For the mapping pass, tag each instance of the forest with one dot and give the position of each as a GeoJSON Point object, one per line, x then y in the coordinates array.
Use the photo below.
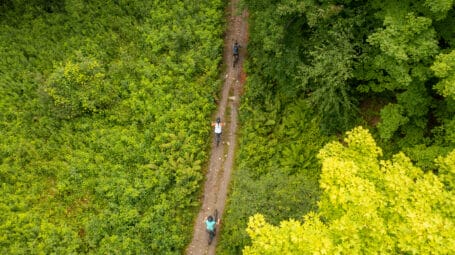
{"type": "Point", "coordinates": [346, 146]}
{"type": "Point", "coordinates": [105, 111]}
{"type": "Point", "coordinates": [347, 140]}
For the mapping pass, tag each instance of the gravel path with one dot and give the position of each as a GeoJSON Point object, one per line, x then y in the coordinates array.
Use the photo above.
{"type": "Point", "coordinates": [222, 157]}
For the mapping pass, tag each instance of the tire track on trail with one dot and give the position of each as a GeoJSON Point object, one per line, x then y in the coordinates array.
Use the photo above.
{"type": "Point", "coordinates": [222, 158]}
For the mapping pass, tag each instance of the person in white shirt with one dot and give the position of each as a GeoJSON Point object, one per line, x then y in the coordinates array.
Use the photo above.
{"type": "Point", "coordinates": [218, 130]}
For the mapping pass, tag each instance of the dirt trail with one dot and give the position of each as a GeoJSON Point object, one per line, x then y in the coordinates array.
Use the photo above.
{"type": "Point", "coordinates": [222, 157]}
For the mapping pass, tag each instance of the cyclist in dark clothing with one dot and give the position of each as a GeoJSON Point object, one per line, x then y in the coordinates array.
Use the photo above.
{"type": "Point", "coordinates": [235, 49]}
{"type": "Point", "coordinates": [235, 52]}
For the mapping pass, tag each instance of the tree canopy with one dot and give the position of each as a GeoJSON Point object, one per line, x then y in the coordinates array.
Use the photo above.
{"type": "Point", "coordinates": [368, 205]}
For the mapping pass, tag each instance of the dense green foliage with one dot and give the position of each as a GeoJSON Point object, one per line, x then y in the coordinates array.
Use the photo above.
{"type": "Point", "coordinates": [387, 65]}
{"type": "Point", "coordinates": [337, 54]}
{"type": "Point", "coordinates": [368, 206]}
{"type": "Point", "coordinates": [104, 119]}
{"type": "Point", "coordinates": [104, 108]}
{"type": "Point", "coordinates": [276, 171]}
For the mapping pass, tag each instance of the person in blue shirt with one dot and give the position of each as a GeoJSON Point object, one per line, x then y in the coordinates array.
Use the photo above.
{"type": "Point", "coordinates": [210, 225]}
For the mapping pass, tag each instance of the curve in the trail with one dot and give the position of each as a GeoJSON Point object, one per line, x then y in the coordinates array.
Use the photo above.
{"type": "Point", "coordinates": [222, 157]}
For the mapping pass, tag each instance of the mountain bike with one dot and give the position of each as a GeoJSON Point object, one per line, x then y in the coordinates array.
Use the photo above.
{"type": "Point", "coordinates": [217, 138]}
{"type": "Point", "coordinates": [236, 60]}
{"type": "Point", "coordinates": [213, 233]}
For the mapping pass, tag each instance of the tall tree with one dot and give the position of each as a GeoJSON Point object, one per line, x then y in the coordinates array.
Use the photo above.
{"type": "Point", "coordinates": [306, 51]}
{"type": "Point", "coordinates": [368, 206]}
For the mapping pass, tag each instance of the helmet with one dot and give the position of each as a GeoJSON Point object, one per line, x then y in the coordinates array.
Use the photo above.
{"type": "Point", "coordinates": [218, 120]}
{"type": "Point", "coordinates": [210, 218]}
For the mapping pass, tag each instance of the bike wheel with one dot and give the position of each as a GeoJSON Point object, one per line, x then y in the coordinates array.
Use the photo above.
{"type": "Point", "coordinates": [218, 139]}
{"type": "Point", "coordinates": [236, 59]}
{"type": "Point", "coordinates": [211, 236]}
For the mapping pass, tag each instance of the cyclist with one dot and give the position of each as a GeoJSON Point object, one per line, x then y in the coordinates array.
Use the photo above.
{"type": "Point", "coordinates": [210, 225]}
{"type": "Point", "coordinates": [235, 49]}
{"type": "Point", "coordinates": [218, 129]}
{"type": "Point", "coordinates": [235, 52]}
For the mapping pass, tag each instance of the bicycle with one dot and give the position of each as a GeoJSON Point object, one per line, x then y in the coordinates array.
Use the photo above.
{"type": "Point", "coordinates": [213, 233]}
{"type": "Point", "coordinates": [218, 139]}
{"type": "Point", "coordinates": [235, 52]}
{"type": "Point", "coordinates": [236, 60]}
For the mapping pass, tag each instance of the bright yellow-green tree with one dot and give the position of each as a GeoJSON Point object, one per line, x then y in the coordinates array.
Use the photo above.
{"type": "Point", "coordinates": [368, 206]}
{"type": "Point", "coordinates": [444, 68]}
